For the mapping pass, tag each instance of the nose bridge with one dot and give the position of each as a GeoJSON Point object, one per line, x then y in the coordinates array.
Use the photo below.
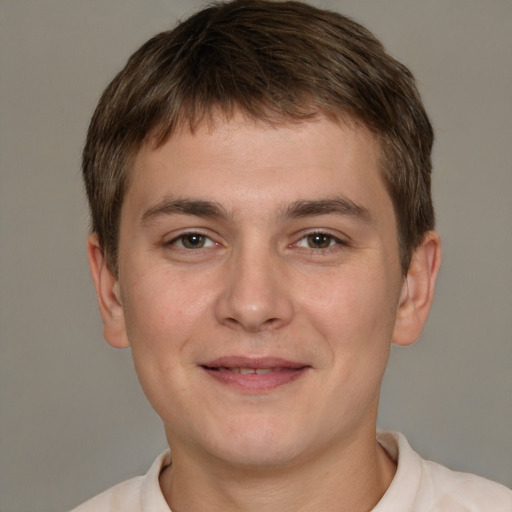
{"type": "Point", "coordinates": [254, 294]}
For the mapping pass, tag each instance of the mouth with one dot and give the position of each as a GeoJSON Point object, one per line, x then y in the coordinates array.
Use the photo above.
{"type": "Point", "coordinates": [247, 371]}
{"type": "Point", "coordinates": [254, 375]}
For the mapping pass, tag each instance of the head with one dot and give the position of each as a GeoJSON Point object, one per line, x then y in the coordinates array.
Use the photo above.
{"type": "Point", "coordinates": [274, 62]}
{"type": "Point", "coordinates": [259, 180]}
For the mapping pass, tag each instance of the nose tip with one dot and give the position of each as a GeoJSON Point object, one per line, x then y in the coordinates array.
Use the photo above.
{"type": "Point", "coordinates": [254, 297]}
{"type": "Point", "coordinates": [252, 319]}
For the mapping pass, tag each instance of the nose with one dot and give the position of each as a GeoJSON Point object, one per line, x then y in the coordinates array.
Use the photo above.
{"type": "Point", "coordinates": [254, 293]}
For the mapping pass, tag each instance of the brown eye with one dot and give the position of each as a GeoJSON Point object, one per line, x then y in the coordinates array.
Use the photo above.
{"type": "Point", "coordinates": [319, 241]}
{"type": "Point", "coordinates": [193, 241]}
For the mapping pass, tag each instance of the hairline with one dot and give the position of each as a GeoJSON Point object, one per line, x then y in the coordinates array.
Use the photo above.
{"type": "Point", "coordinates": [157, 137]}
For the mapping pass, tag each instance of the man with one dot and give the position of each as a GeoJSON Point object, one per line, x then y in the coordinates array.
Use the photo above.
{"type": "Point", "coordinates": [263, 230]}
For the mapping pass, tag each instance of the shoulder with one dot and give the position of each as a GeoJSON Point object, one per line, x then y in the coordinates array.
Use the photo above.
{"type": "Point", "coordinates": [425, 486]}
{"type": "Point", "coordinates": [139, 494]}
{"type": "Point", "coordinates": [464, 492]}
{"type": "Point", "coordinates": [122, 497]}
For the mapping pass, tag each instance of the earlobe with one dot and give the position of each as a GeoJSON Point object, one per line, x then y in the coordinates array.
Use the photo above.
{"type": "Point", "coordinates": [418, 290]}
{"type": "Point", "coordinates": [108, 295]}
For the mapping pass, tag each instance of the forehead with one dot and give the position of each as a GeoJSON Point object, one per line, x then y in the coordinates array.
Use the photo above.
{"type": "Point", "coordinates": [241, 162]}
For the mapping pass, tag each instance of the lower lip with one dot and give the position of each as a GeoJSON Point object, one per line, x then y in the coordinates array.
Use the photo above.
{"type": "Point", "coordinates": [257, 382]}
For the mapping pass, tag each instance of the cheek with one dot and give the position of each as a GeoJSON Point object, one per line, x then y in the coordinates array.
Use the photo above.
{"type": "Point", "coordinates": [355, 317]}
{"type": "Point", "coordinates": [161, 322]}
{"type": "Point", "coordinates": [162, 307]}
{"type": "Point", "coordinates": [352, 309]}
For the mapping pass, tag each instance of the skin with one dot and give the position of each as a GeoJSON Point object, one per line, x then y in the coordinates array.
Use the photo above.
{"type": "Point", "coordinates": [317, 285]}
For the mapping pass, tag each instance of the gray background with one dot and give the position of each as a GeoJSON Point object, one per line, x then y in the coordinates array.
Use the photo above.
{"type": "Point", "coordinates": [73, 420]}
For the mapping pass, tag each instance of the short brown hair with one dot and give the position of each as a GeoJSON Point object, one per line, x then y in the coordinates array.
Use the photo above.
{"type": "Point", "coordinates": [275, 62]}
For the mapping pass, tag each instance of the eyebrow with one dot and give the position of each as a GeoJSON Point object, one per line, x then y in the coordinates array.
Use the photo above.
{"type": "Point", "coordinates": [199, 208]}
{"type": "Point", "coordinates": [302, 208]}
{"type": "Point", "coordinates": [338, 205]}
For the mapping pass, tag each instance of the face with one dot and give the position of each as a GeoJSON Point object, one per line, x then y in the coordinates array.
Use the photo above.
{"type": "Point", "coordinates": [259, 280]}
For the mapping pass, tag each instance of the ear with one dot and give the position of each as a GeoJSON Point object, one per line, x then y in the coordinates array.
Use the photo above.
{"type": "Point", "coordinates": [108, 295]}
{"type": "Point", "coordinates": [418, 290]}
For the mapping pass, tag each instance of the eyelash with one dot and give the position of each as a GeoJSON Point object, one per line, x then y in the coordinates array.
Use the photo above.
{"type": "Point", "coordinates": [178, 241]}
{"type": "Point", "coordinates": [333, 242]}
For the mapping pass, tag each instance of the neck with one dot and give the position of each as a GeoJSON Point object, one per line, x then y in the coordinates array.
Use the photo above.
{"type": "Point", "coordinates": [341, 480]}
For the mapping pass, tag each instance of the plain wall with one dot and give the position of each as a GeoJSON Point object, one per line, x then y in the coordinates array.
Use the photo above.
{"type": "Point", "coordinates": [72, 418]}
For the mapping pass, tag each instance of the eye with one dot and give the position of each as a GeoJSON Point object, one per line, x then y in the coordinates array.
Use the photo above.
{"type": "Point", "coordinates": [192, 241]}
{"type": "Point", "coordinates": [318, 241]}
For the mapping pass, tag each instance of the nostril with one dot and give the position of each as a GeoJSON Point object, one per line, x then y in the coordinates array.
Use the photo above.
{"type": "Point", "coordinates": [253, 325]}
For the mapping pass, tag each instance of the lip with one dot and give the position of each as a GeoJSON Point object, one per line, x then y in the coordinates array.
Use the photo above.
{"type": "Point", "coordinates": [281, 371]}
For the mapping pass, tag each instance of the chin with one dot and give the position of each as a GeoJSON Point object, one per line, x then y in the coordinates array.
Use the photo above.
{"type": "Point", "coordinates": [262, 444]}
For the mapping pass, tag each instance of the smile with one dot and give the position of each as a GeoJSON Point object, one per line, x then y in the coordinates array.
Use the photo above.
{"type": "Point", "coordinates": [254, 375]}
{"type": "Point", "coordinates": [246, 371]}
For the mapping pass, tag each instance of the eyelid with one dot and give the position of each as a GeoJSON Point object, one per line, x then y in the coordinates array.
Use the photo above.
{"type": "Point", "coordinates": [175, 237]}
{"type": "Point", "coordinates": [339, 238]}
{"type": "Point", "coordinates": [323, 231]}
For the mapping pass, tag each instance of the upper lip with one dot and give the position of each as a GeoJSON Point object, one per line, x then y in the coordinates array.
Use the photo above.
{"type": "Point", "coordinates": [252, 362]}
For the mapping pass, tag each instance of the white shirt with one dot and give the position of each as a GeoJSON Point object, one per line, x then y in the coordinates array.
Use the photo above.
{"type": "Point", "coordinates": [418, 486]}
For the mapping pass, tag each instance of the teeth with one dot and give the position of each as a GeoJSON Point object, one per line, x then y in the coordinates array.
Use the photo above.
{"type": "Point", "coordinates": [245, 371]}
{"type": "Point", "coordinates": [260, 371]}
